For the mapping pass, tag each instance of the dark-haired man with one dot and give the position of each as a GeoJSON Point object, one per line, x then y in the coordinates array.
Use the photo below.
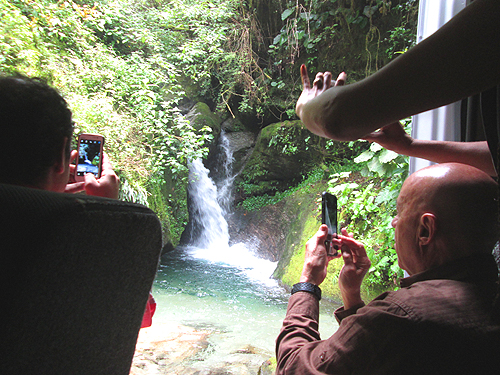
{"type": "Point", "coordinates": [35, 146]}
{"type": "Point", "coordinates": [445, 319]}
{"type": "Point", "coordinates": [35, 142]}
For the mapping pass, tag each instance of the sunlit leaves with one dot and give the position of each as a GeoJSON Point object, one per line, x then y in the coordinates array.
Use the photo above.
{"type": "Point", "coordinates": [287, 13]}
{"type": "Point", "coordinates": [368, 204]}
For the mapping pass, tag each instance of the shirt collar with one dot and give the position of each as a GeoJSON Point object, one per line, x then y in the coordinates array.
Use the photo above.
{"type": "Point", "coordinates": [473, 268]}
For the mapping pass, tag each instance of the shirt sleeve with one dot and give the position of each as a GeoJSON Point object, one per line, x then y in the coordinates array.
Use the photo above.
{"type": "Point", "coordinates": [342, 313]}
{"type": "Point", "coordinates": [360, 343]}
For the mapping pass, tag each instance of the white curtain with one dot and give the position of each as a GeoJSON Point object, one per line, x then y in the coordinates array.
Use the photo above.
{"type": "Point", "coordinates": [442, 124]}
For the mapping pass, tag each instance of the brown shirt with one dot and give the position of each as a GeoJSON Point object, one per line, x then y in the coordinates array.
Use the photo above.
{"type": "Point", "coordinates": [441, 322]}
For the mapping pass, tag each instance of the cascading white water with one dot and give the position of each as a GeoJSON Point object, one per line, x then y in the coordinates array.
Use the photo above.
{"type": "Point", "coordinates": [225, 186]}
{"type": "Point", "coordinates": [210, 206]}
{"type": "Point", "coordinates": [207, 214]}
{"type": "Point", "coordinates": [221, 289]}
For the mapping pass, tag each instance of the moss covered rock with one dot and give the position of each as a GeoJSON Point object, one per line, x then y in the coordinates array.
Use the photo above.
{"type": "Point", "coordinates": [200, 116]}
{"type": "Point", "coordinates": [281, 231]}
{"type": "Point", "coordinates": [284, 152]}
{"type": "Point", "coordinates": [301, 229]}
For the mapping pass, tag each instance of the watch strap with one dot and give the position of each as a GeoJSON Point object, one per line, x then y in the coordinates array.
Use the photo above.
{"type": "Point", "coordinates": [307, 287]}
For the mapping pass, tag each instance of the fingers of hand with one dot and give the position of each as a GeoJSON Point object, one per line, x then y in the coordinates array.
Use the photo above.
{"type": "Point", "coordinates": [90, 180]}
{"type": "Point", "coordinates": [356, 251]}
{"type": "Point", "coordinates": [322, 81]}
{"type": "Point", "coordinates": [356, 247]}
{"type": "Point", "coordinates": [347, 255]}
{"type": "Point", "coordinates": [344, 232]}
{"type": "Point", "coordinates": [327, 77]}
{"type": "Point", "coordinates": [318, 239]}
{"type": "Point", "coordinates": [74, 187]}
{"type": "Point", "coordinates": [373, 136]}
{"type": "Point", "coordinates": [336, 241]}
{"type": "Point", "coordinates": [73, 155]}
{"type": "Point", "coordinates": [341, 79]}
{"type": "Point", "coordinates": [334, 256]}
{"type": "Point", "coordinates": [305, 77]}
{"type": "Point", "coordinates": [318, 81]}
{"type": "Point", "coordinates": [107, 168]}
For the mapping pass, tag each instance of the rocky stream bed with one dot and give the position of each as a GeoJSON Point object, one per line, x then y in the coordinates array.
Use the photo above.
{"type": "Point", "coordinates": [166, 349]}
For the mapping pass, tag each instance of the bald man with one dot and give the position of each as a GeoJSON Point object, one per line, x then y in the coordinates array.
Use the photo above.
{"type": "Point", "coordinates": [445, 319]}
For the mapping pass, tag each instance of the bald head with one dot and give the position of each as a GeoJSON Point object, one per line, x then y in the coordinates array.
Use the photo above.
{"type": "Point", "coordinates": [460, 202]}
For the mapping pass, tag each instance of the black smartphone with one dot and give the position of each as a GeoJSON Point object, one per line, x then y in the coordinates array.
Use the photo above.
{"type": "Point", "coordinates": [329, 217]}
{"type": "Point", "coordinates": [89, 159]}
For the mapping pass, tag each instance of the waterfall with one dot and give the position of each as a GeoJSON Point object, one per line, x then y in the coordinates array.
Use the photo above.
{"type": "Point", "coordinates": [225, 185]}
{"type": "Point", "coordinates": [208, 215]}
{"type": "Point", "coordinates": [210, 206]}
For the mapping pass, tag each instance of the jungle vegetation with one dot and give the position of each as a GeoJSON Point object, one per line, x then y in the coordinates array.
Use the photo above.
{"type": "Point", "coordinates": [127, 67]}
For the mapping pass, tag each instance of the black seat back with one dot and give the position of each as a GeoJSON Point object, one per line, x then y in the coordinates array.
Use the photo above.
{"type": "Point", "coordinates": [75, 276]}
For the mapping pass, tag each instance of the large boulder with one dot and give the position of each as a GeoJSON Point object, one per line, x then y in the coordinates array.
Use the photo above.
{"type": "Point", "coordinates": [273, 230]}
{"type": "Point", "coordinates": [284, 152]}
{"type": "Point", "coordinates": [200, 116]}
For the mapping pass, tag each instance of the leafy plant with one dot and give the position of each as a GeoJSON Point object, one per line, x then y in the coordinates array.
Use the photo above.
{"type": "Point", "coordinates": [125, 68]}
{"type": "Point", "coordinates": [117, 68]}
{"type": "Point", "coordinates": [367, 205]}
{"type": "Point", "coordinates": [256, 202]}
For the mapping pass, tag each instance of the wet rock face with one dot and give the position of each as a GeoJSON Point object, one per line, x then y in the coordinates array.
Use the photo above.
{"type": "Point", "coordinates": [266, 229]}
{"type": "Point", "coordinates": [284, 152]}
{"type": "Point", "coordinates": [242, 144]}
{"type": "Point", "coordinates": [273, 229]}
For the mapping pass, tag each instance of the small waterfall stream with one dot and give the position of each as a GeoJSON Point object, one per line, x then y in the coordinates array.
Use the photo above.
{"type": "Point", "coordinates": [211, 204]}
{"type": "Point", "coordinates": [222, 289]}
{"type": "Point", "coordinates": [207, 214]}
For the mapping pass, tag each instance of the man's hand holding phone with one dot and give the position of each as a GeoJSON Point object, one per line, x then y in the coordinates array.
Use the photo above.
{"type": "Point", "coordinates": [108, 185]}
{"type": "Point", "coordinates": [356, 265]}
{"type": "Point", "coordinates": [316, 258]}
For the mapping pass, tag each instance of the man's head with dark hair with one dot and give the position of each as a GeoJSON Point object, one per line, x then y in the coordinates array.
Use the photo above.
{"type": "Point", "coordinates": [36, 130]}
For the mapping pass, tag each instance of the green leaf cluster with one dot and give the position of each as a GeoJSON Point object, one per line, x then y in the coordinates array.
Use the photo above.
{"type": "Point", "coordinates": [256, 202]}
{"type": "Point", "coordinates": [121, 65]}
{"type": "Point", "coordinates": [367, 205]}
{"type": "Point", "coordinates": [334, 35]}
{"type": "Point", "coordinates": [125, 67]}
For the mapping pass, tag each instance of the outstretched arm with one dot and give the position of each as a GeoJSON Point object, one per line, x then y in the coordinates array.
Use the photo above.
{"type": "Point", "coordinates": [459, 60]}
{"type": "Point", "coordinates": [393, 137]}
{"type": "Point", "coordinates": [306, 105]}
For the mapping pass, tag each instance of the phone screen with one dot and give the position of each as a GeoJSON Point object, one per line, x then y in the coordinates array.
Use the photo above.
{"type": "Point", "coordinates": [329, 212]}
{"type": "Point", "coordinates": [89, 156]}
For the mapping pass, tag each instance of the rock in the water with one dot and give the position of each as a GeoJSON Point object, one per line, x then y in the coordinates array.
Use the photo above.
{"type": "Point", "coordinates": [162, 348]}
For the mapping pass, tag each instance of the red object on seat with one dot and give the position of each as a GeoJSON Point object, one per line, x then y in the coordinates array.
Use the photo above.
{"type": "Point", "coordinates": [147, 319]}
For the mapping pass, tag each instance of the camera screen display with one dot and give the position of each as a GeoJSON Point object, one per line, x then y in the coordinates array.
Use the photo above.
{"type": "Point", "coordinates": [89, 157]}
{"type": "Point", "coordinates": [330, 212]}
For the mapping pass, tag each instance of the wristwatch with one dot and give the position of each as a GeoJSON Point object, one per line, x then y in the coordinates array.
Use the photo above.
{"type": "Point", "coordinates": [307, 287]}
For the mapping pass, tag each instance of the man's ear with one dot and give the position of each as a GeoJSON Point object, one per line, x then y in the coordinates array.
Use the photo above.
{"type": "Point", "coordinates": [426, 228]}
{"type": "Point", "coordinates": [62, 158]}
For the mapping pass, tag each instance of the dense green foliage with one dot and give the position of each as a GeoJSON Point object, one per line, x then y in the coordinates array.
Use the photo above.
{"type": "Point", "coordinates": [358, 37]}
{"type": "Point", "coordinates": [126, 68]}
{"type": "Point", "coordinates": [355, 36]}
{"type": "Point", "coordinates": [121, 67]}
{"type": "Point", "coordinates": [367, 205]}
